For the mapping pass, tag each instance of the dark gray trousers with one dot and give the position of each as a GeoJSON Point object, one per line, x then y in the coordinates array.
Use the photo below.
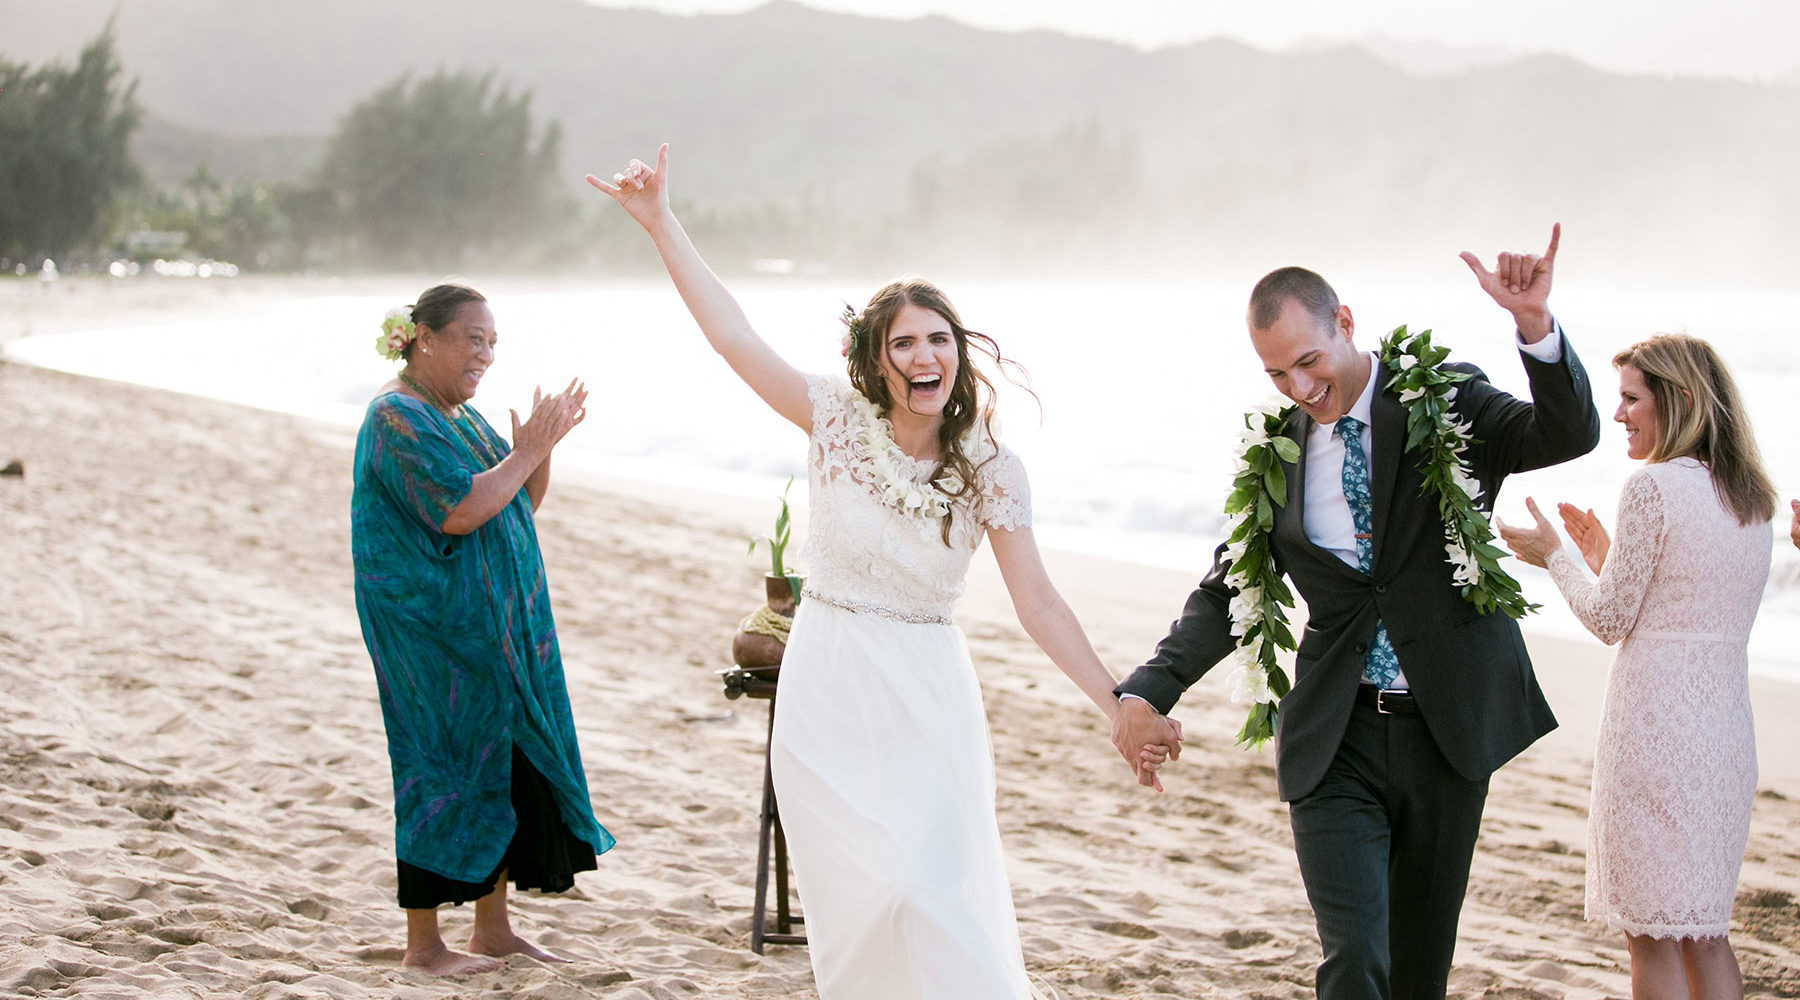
{"type": "Point", "coordinates": [1384, 843]}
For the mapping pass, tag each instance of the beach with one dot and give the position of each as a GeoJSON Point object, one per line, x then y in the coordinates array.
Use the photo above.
{"type": "Point", "coordinates": [195, 795]}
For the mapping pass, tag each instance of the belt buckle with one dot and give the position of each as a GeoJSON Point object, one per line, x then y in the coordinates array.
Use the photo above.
{"type": "Point", "coordinates": [1381, 702]}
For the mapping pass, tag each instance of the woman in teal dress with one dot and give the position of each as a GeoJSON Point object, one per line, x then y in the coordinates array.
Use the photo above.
{"type": "Point", "coordinates": [450, 589]}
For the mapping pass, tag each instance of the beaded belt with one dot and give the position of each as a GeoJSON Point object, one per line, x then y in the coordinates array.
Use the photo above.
{"type": "Point", "coordinates": [881, 610]}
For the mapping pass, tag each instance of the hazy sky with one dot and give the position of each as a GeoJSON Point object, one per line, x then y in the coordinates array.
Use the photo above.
{"type": "Point", "coordinates": [1754, 39]}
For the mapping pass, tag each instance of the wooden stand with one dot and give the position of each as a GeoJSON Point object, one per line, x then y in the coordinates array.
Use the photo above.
{"type": "Point", "coordinates": [760, 682]}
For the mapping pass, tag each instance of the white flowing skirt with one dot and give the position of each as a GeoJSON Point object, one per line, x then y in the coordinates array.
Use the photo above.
{"type": "Point", "coordinates": [884, 775]}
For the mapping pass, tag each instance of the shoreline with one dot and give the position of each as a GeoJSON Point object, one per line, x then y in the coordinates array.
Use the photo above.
{"type": "Point", "coordinates": [94, 303]}
{"type": "Point", "coordinates": [196, 794]}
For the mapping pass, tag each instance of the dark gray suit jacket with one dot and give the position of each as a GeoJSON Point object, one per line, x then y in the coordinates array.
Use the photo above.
{"type": "Point", "coordinates": [1469, 673]}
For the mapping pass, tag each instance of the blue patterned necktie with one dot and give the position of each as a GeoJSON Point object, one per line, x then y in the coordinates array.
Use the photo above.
{"type": "Point", "coordinates": [1380, 665]}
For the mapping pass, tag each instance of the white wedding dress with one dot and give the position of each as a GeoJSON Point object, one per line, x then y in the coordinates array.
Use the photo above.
{"type": "Point", "coordinates": [883, 769]}
{"type": "Point", "coordinates": [1675, 764]}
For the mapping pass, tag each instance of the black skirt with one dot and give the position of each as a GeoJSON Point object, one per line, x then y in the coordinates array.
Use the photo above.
{"type": "Point", "coordinates": [543, 854]}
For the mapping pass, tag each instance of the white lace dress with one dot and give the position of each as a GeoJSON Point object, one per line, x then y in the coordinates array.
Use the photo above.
{"type": "Point", "coordinates": [1675, 768]}
{"type": "Point", "coordinates": [883, 769]}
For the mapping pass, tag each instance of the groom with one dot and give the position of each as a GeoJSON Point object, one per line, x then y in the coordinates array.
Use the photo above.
{"type": "Point", "coordinates": [1405, 697]}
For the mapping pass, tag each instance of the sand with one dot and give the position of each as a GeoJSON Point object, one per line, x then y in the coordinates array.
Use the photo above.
{"type": "Point", "coordinates": [194, 793]}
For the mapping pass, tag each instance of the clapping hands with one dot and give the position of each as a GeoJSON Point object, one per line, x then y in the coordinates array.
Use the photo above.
{"type": "Point", "coordinates": [551, 418]}
{"type": "Point", "coordinates": [1588, 534]}
{"type": "Point", "coordinates": [1534, 545]}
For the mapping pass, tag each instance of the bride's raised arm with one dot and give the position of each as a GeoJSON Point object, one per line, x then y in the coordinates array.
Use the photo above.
{"type": "Point", "coordinates": [643, 192]}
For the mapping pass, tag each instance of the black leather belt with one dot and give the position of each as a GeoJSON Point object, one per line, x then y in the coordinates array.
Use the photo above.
{"type": "Point", "coordinates": [1386, 702]}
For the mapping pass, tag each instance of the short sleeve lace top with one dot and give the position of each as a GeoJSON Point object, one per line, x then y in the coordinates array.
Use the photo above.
{"type": "Point", "coordinates": [871, 538]}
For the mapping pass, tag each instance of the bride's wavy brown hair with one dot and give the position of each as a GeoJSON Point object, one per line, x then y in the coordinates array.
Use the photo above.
{"type": "Point", "coordinates": [971, 396]}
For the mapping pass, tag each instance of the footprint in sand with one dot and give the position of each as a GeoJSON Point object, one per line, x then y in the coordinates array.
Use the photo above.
{"type": "Point", "coordinates": [1125, 928]}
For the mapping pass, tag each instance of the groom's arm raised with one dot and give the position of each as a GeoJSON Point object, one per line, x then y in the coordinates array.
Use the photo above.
{"type": "Point", "coordinates": [1560, 422]}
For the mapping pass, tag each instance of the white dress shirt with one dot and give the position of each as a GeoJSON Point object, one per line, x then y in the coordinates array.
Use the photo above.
{"type": "Point", "coordinates": [1326, 513]}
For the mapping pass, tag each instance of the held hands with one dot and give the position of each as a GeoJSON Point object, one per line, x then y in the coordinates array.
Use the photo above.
{"type": "Point", "coordinates": [1520, 283]}
{"type": "Point", "coordinates": [641, 191]}
{"type": "Point", "coordinates": [1587, 533]}
{"type": "Point", "coordinates": [1146, 739]}
{"type": "Point", "coordinates": [551, 418]}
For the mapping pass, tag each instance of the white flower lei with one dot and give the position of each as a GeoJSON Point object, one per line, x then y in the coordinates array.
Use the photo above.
{"type": "Point", "coordinates": [1436, 436]}
{"type": "Point", "coordinates": [924, 501]}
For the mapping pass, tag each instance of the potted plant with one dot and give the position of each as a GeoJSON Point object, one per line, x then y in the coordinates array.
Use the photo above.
{"type": "Point", "coordinates": [762, 637]}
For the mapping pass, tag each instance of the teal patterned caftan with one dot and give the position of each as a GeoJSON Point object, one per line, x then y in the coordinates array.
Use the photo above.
{"type": "Point", "coordinates": [463, 642]}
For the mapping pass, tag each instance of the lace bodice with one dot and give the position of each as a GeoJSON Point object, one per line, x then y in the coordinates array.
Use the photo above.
{"type": "Point", "coordinates": [862, 550]}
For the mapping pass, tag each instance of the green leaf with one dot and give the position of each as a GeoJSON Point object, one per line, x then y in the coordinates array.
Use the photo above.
{"type": "Point", "coordinates": [1276, 482]}
{"type": "Point", "coordinates": [1250, 563]}
{"type": "Point", "coordinates": [1259, 726]}
{"type": "Point", "coordinates": [1416, 433]}
{"type": "Point", "coordinates": [1287, 448]}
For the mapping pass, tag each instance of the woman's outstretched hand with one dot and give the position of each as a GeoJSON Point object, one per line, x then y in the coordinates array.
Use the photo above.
{"type": "Point", "coordinates": [551, 418]}
{"type": "Point", "coordinates": [642, 191]}
{"type": "Point", "coordinates": [1532, 545]}
{"type": "Point", "coordinates": [1588, 534]}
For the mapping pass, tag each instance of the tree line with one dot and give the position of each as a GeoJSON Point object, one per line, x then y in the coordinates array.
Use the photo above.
{"type": "Point", "coordinates": [435, 171]}
{"type": "Point", "coordinates": [453, 170]}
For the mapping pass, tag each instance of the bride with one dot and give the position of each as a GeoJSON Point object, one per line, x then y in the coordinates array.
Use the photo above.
{"type": "Point", "coordinates": [882, 765]}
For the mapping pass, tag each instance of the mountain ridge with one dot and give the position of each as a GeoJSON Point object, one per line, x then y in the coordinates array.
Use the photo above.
{"type": "Point", "coordinates": [1034, 136]}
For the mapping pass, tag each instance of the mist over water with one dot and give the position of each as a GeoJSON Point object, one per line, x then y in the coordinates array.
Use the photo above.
{"type": "Point", "coordinates": [1141, 390]}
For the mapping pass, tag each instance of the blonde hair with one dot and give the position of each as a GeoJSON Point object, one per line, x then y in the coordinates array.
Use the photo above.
{"type": "Point", "coordinates": [1701, 415]}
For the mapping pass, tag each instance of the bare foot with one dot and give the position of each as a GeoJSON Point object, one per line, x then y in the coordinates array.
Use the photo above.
{"type": "Point", "coordinates": [508, 943]}
{"type": "Point", "coordinates": [444, 962]}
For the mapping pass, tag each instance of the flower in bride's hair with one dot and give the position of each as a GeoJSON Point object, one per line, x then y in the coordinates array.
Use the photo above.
{"type": "Point", "coordinates": [851, 321]}
{"type": "Point", "coordinates": [397, 331]}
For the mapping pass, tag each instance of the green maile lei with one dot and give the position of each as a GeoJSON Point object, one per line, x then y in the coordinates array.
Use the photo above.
{"type": "Point", "coordinates": [1438, 441]}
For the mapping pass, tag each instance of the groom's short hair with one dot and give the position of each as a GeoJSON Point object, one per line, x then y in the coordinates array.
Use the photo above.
{"type": "Point", "coordinates": [1298, 284]}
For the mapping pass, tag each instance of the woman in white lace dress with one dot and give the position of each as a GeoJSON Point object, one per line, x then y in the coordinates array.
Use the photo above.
{"type": "Point", "coordinates": [1675, 768]}
{"type": "Point", "coordinates": [880, 751]}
